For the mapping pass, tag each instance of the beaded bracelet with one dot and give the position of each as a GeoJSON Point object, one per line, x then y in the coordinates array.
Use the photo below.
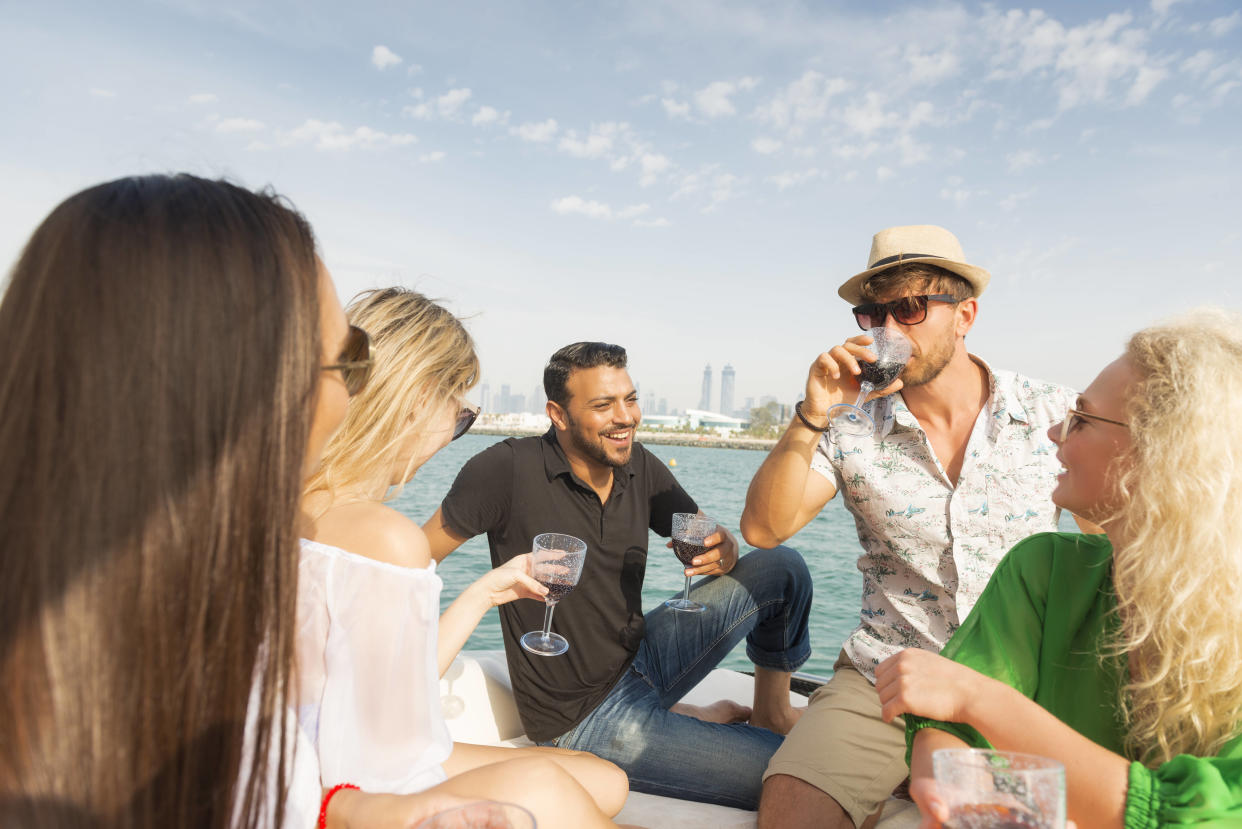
{"type": "Point", "coordinates": [807, 423]}
{"type": "Point", "coordinates": [323, 809]}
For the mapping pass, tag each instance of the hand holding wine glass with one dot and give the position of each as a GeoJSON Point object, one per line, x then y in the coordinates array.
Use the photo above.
{"type": "Point", "coordinates": [482, 814]}
{"type": "Point", "coordinates": [892, 351]}
{"type": "Point", "coordinates": [556, 563]}
{"type": "Point", "coordinates": [690, 534]}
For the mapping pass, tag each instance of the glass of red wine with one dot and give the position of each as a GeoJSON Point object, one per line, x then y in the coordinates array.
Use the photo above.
{"type": "Point", "coordinates": [1000, 789]}
{"type": "Point", "coordinates": [556, 563]}
{"type": "Point", "coordinates": [690, 532]}
{"type": "Point", "coordinates": [892, 351]}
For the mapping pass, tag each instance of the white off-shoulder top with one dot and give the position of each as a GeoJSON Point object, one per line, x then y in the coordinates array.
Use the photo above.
{"type": "Point", "coordinates": [368, 678]}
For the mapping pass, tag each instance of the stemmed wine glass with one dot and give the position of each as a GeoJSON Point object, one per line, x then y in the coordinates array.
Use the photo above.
{"type": "Point", "coordinates": [483, 814]}
{"type": "Point", "coordinates": [556, 563]}
{"type": "Point", "coordinates": [690, 531]}
{"type": "Point", "coordinates": [892, 351]}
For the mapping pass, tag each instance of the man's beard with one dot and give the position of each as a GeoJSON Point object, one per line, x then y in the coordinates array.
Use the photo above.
{"type": "Point", "coordinates": [592, 446]}
{"type": "Point", "coordinates": [929, 364]}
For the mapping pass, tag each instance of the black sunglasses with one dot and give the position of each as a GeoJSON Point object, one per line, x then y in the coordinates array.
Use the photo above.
{"type": "Point", "coordinates": [909, 310]}
{"type": "Point", "coordinates": [465, 419]}
{"type": "Point", "coordinates": [356, 360]}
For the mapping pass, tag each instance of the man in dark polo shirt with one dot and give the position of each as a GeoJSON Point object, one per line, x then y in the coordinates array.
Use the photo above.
{"type": "Point", "coordinates": [616, 692]}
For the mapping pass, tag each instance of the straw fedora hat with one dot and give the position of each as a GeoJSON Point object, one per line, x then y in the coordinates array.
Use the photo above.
{"type": "Point", "coordinates": [914, 243]}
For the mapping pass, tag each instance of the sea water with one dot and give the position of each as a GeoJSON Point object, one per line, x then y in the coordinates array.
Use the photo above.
{"type": "Point", "coordinates": [717, 480]}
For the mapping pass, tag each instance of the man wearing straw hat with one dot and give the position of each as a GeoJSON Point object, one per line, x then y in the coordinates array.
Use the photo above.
{"type": "Point", "coordinates": [957, 470]}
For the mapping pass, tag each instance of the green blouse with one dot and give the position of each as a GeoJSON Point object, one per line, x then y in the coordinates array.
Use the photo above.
{"type": "Point", "coordinates": [1038, 626]}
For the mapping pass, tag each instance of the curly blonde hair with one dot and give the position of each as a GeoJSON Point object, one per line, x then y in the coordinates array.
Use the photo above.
{"type": "Point", "coordinates": [1178, 572]}
{"type": "Point", "coordinates": [424, 358]}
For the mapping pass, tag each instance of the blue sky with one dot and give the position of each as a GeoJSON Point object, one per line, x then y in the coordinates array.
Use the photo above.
{"type": "Point", "coordinates": [690, 179]}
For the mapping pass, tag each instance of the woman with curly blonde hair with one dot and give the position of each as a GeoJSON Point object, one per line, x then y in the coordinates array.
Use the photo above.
{"type": "Point", "coordinates": [371, 648]}
{"type": "Point", "coordinates": [1119, 654]}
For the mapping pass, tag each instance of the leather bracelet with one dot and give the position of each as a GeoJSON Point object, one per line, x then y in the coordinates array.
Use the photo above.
{"type": "Point", "coordinates": [807, 423]}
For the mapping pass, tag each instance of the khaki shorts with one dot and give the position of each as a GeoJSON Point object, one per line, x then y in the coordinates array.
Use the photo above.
{"type": "Point", "coordinates": [842, 747]}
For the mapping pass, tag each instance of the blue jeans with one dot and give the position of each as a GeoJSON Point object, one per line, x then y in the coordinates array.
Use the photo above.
{"type": "Point", "coordinates": [766, 599]}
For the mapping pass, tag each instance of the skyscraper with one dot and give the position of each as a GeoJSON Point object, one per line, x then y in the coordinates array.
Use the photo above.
{"type": "Point", "coordinates": [726, 390]}
{"type": "Point", "coordinates": [705, 399]}
{"type": "Point", "coordinates": [485, 398]}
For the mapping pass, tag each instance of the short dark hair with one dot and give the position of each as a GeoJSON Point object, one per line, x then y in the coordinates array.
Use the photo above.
{"type": "Point", "coordinates": [919, 276]}
{"type": "Point", "coordinates": [575, 356]}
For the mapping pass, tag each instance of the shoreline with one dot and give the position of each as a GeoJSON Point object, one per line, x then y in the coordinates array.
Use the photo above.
{"type": "Point", "coordinates": [640, 436]}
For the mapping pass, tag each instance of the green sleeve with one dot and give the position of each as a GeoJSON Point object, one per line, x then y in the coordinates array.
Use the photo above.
{"type": "Point", "coordinates": [1001, 637]}
{"type": "Point", "coordinates": [1200, 791]}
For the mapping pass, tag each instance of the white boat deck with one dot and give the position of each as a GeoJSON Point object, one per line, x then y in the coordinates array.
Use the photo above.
{"type": "Point", "coordinates": [477, 699]}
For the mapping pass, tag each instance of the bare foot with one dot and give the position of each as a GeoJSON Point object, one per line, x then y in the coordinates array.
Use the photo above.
{"type": "Point", "coordinates": [722, 711]}
{"type": "Point", "coordinates": [782, 722]}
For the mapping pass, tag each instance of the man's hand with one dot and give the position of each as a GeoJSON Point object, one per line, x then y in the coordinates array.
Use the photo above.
{"type": "Point", "coordinates": [720, 557]}
{"type": "Point", "coordinates": [832, 378]}
{"type": "Point", "coordinates": [926, 684]}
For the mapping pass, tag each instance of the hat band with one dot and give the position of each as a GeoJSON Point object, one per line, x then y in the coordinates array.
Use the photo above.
{"type": "Point", "coordinates": [888, 260]}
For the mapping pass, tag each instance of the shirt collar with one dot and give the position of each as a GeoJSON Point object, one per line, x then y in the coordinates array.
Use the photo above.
{"type": "Point", "coordinates": [1003, 404]}
{"type": "Point", "coordinates": [555, 464]}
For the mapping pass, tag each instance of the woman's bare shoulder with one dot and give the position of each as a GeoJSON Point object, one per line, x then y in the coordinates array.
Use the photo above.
{"type": "Point", "coordinates": [371, 529]}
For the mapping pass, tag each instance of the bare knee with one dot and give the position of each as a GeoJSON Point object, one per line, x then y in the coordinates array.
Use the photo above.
{"type": "Point", "coordinates": [790, 803]}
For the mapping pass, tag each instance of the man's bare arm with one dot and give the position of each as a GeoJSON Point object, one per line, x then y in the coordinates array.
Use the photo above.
{"type": "Point", "coordinates": [785, 493]}
{"type": "Point", "coordinates": [443, 540]}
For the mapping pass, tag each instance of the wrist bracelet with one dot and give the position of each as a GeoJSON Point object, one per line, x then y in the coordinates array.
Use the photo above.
{"type": "Point", "coordinates": [327, 798]}
{"type": "Point", "coordinates": [807, 423]}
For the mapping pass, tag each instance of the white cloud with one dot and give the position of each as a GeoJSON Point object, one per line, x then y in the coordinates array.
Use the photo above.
{"type": "Point", "coordinates": [1200, 62]}
{"type": "Point", "coordinates": [486, 115]}
{"type": "Point", "coordinates": [239, 125]}
{"type": "Point", "coordinates": [102, 93]}
{"type": "Point", "coordinates": [1162, 7]}
{"type": "Point", "coordinates": [957, 193]}
{"type": "Point", "coordinates": [596, 144]}
{"type": "Point", "coordinates": [802, 101]}
{"type": "Point", "coordinates": [765, 146]}
{"type": "Point", "coordinates": [1010, 202]}
{"type": "Point", "coordinates": [447, 106]}
{"type": "Point", "coordinates": [539, 133]}
{"type": "Point", "coordinates": [883, 173]}
{"type": "Point", "coordinates": [413, 69]}
{"type": "Point", "coordinates": [432, 157]}
{"type": "Point", "coordinates": [203, 98]}
{"type": "Point", "coordinates": [653, 166]}
{"type": "Point", "coordinates": [576, 205]}
{"type": "Point", "coordinates": [1090, 63]}
{"type": "Point", "coordinates": [932, 68]}
{"type": "Point", "coordinates": [675, 109]}
{"type": "Point", "coordinates": [1022, 159]}
{"type": "Point", "coordinates": [713, 185]}
{"type": "Point", "coordinates": [382, 57]}
{"type": "Point", "coordinates": [851, 152]}
{"type": "Point", "coordinates": [660, 222]}
{"type": "Point", "coordinates": [910, 151]}
{"type": "Point", "coordinates": [867, 117]}
{"type": "Point", "coordinates": [713, 100]}
{"type": "Point", "coordinates": [784, 181]}
{"type": "Point", "coordinates": [331, 135]}
{"type": "Point", "coordinates": [1222, 26]}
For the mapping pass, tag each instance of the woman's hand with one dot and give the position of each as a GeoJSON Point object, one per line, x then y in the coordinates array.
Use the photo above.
{"type": "Point", "coordinates": [926, 684]}
{"type": "Point", "coordinates": [510, 581]}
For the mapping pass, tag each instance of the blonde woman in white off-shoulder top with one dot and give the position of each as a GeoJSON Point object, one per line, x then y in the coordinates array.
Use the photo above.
{"type": "Point", "coordinates": [371, 643]}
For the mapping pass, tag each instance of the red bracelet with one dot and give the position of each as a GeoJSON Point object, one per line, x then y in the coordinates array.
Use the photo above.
{"type": "Point", "coordinates": [323, 809]}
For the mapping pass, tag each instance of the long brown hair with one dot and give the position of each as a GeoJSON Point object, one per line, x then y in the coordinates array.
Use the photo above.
{"type": "Point", "coordinates": [160, 345]}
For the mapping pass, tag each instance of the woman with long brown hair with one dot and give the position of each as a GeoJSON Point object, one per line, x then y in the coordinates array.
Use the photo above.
{"type": "Point", "coordinates": [175, 360]}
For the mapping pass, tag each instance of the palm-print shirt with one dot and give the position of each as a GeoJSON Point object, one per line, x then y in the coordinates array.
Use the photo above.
{"type": "Point", "coordinates": [929, 547]}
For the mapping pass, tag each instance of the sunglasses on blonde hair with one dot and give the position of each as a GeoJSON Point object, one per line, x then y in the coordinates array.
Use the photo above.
{"type": "Point", "coordinates": [465, 419]}
{"type": "Point", "coordinates": [356, 360]}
